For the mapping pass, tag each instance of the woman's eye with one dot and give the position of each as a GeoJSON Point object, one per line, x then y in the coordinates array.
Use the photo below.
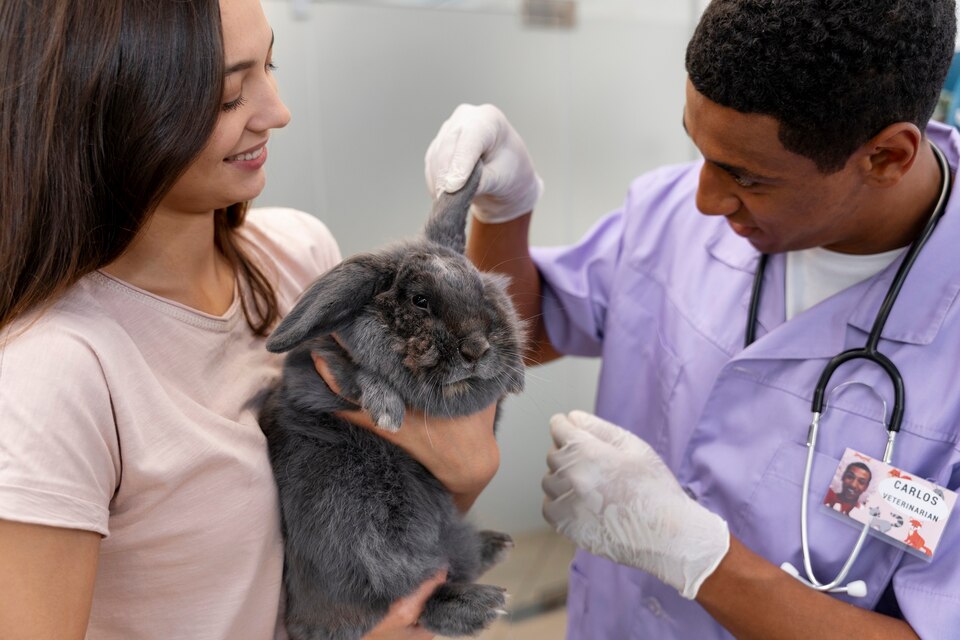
{"type": "Point", "coordinates": [235, 104]}
{"type": "Point", "coordinates": [421, 302]}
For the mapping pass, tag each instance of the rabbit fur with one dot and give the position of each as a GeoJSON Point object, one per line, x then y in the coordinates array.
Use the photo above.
{"type": "Point", "coordinates": [415, 324]}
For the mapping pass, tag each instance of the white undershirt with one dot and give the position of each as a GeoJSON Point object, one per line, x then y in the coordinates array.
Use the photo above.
{"type": "Point", "coordinates": [816, 274]}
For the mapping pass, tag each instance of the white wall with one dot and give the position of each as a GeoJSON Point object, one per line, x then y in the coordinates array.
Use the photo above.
{"type": "Point", "coordinates": [369, 83]}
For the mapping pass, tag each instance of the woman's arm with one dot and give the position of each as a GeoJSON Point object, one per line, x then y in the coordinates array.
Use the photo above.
{"type": "Point", "coordinates": [46, 580]}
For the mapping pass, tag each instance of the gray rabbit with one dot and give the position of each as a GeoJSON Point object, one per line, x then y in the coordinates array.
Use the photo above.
{"type": "Point", "coordinates": [414, 324]}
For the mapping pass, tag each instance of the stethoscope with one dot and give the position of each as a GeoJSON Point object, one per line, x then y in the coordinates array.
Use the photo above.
{"type": "Point", "coordinates": [870, 353]}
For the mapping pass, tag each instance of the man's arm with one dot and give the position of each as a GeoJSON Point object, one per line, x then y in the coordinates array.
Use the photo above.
{"type": "Point", "coordinates": [753, 598]}
{"type": "Point", "coordinates": [611, 493]}
{"type": "Point", "coordinates": [503, 248]}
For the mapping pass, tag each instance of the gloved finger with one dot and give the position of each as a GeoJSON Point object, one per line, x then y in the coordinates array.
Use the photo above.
{"type": "Point", "coordinates": [557, 512]}
{"type": "Point", "coordinates": [603, 430]}
{"type": "Point", "coordinates": [561, 459]}
{"type": "Point", "coordinates": [567, 456]}
{"type": "Point", "coordinates": [582, 475]}
{"type": "Point", "coordinates": [557, 417]}
{"type": "Point", "coordinates": [463, 139]}
{"type": "Point", "coordinates": [573, 515]}
{"type": "Point", "coordinates": [437, 161]}
{"type": "Point", "coordinates": [565, 432]}
{"type": "Point", "coordinates": [468, 150]}
{"type": "Point", "coordinates": [555, 485]}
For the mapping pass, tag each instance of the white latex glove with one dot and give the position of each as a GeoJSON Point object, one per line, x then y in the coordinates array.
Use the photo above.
{"type": "Point", "coordinates": [609, 492]}
{"type": "Point", "coordinates": [509, 186]}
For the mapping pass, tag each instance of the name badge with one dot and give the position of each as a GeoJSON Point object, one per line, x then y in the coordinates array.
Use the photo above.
{"type": "Point", "coordinates": [901, 509]}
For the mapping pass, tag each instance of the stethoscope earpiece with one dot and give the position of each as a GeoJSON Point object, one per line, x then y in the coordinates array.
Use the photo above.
{"type": "Point", "coordinates": [855, 589]}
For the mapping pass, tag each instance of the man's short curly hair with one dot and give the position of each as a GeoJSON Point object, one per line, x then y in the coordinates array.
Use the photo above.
{"type": "Point", "coordinates": [832, 72]}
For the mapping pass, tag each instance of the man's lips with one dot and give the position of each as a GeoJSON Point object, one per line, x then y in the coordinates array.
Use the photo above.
{"type": "Point", "coordinates": [741, 229]}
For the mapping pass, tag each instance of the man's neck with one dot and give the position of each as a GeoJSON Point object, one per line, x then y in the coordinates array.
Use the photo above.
{"type": "Point", "coordinates": [907, 206]}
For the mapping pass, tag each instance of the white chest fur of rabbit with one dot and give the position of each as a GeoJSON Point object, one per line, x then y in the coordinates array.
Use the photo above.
{"type": "Point", "coordinates": [364, 524]}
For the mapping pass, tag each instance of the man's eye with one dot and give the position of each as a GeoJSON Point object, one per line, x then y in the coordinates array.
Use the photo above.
{"type": "Point", "coordinates": [744, 182]}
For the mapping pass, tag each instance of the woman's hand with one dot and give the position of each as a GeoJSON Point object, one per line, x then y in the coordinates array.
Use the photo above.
{"type": "Point", "coordinates": [400, 622]}
{"type": "Point", "coordinates": [461, 453]}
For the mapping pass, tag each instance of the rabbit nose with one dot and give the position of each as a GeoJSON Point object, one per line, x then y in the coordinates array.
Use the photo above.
{"type": "Point", "coordinates": [473, 348]}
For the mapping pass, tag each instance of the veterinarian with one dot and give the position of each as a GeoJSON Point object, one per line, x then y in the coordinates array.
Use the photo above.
{"type": "Point", "coordinates": [854, 481]}
{"type": "Point", "coordinates": [684, 490]}
{"type": "Point", "coordinates": [136, 291]}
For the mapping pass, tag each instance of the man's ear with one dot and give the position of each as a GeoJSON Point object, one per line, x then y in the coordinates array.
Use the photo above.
{"type": "Point", "coordinates": [888, 156]}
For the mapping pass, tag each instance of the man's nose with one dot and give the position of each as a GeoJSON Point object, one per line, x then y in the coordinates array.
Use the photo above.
{"type": "Point", "coordinates": [714, 197]}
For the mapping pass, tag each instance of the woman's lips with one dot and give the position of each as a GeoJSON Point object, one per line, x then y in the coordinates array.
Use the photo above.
{"type": "Point", "coordinates": [250, 160]}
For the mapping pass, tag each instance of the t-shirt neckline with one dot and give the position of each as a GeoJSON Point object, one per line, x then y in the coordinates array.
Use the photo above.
{"type": "Point", "coordinates": [173, 308]}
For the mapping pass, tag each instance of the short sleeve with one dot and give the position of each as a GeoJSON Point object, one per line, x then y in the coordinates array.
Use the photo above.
{"type": "Point", "coordinates": [59, 454]}
{"type": "Point", "coordinates": [577, 282]}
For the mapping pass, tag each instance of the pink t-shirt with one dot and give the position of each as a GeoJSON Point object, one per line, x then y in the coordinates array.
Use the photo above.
{"type": "Point", "coordinates": [135, 417]}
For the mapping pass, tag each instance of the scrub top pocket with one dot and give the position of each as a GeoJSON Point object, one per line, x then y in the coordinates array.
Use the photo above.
{"type": "Point", "coordinates": [831, 540]}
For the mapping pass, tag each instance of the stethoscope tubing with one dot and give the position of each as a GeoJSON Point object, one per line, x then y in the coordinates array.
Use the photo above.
{"type": "Point", "coordinates": [875, 357]}
{"type": "Point", "coordinates": [804, 506]}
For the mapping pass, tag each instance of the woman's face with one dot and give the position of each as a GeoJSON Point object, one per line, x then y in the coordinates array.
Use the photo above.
{"type": "Point", "coordinates": [230, 167]}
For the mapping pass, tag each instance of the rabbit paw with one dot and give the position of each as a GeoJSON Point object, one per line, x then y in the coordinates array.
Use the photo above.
{"type": "Point", "coordinates": [383, 403]}
{"type": "Point", "coordinates": [494, 547]}
{"type": "Point", "coordinates": [387, 422]}
{"type": "Point", "coordinates": [457, 609]}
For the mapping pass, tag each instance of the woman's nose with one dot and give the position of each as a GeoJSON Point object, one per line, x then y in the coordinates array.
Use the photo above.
{"type": "Point", "coordinates": [714, 197]}
{"type": "Point", "coordinates": [272, 112]}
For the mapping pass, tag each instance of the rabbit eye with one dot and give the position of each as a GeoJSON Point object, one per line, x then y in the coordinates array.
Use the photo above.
{"type": "Point", "coordinates": [421, 301]}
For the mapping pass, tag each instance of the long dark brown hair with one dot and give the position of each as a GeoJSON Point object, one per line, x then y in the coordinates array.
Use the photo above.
{"type": "Point", "coordinates": [103, 106]}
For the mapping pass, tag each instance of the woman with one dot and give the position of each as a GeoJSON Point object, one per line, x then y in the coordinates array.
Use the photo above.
{"type": "Point", "coordinates": [136, 498]}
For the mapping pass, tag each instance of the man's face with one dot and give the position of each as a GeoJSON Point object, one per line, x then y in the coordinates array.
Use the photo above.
{"type": "Point", "coordinates": [854, 482]}
{"type": "Point", "coordinates": [778, 200]}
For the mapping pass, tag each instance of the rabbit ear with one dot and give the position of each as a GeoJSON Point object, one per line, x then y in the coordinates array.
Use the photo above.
{"type": "Point", "coordinates": [448, 220]}
{"type": "Point", "coordinates": [333, 300]}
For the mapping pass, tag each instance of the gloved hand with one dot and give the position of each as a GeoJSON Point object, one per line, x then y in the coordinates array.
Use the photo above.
{"type": "Point", "coordinates": [609, 492]}
{"type": "Point", "coordinates": [509, 186]}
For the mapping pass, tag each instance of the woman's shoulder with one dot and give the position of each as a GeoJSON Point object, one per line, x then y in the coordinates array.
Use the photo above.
{"type": "Point", "coordinates": [292, 235]}
{"type": "Point", "coordinates": [294, 246]}
{"type": "Point", "coordinates": [70, 329]}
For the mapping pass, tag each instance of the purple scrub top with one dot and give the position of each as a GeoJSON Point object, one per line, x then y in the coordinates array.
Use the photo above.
{"type": "Point", "coordinates": [661, 292]}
